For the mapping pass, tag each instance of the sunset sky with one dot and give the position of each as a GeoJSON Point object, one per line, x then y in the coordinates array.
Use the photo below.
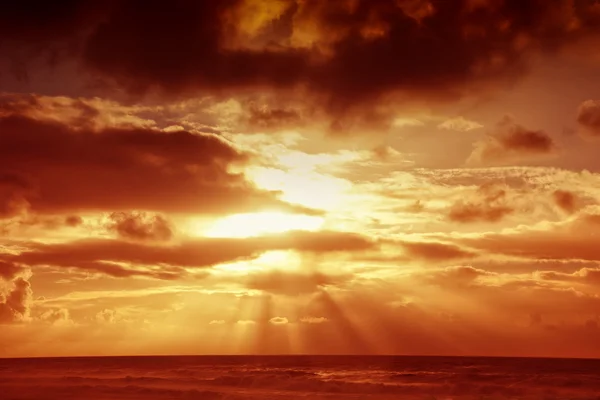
{"type": "Point", "coordinates": [300, 177]}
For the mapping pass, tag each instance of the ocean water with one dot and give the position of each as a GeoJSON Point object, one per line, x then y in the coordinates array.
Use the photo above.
{"type": "Point", "coordinates": [298, 377]}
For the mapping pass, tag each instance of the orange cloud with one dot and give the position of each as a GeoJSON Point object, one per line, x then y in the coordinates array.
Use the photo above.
{"type": "Point", "coordinates": [168, 261]}
{"type": "Point", "coordinates": [489, 204]}
{"type": "Point", "coordinates": [568, 240]}
{"type": "Point", "coordinates": [279, 321]}
{"type": "Point", "coordinates": [264, 118]}
{"type": "Point", "coordinates": [60, 168]}
{"type": "Point", "coordinates": [460, 124]}
{"type": "Point", "coordinates": [588, 117]}
{"type": "Point", "coordinates": [293, 283]}
{"type": "Point", "coordinates": [10, 270]}
{"type": "Point", "coordinates": [512, 143]}
{"type": "Point", "coordinates": [584, 275]}
{"type": "Point", "coordinates": [436, 251]}
{"type": "Point", "coordinates": [15, 294]}
{"type": "Point", "coordinates": [565, 200]}
{"type": "Point", "coordinates": [457, 276]}
{"type": "Point", "coordinates": [140, 226]}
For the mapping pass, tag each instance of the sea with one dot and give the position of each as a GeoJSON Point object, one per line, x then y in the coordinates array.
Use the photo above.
{"type": "Point", "coordinates": [298, 377]}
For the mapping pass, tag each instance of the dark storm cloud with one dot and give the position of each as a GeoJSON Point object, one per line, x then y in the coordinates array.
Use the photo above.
{"type": "Point", "coordinates": [351, 51]}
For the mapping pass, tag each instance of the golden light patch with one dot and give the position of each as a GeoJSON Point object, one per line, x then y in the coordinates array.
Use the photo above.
{"type": "Point", "coordinates": [309, 189]}
{"type": "Point", "coordinates": [262, 223]}
{"type": "Point", "coordinates": [267, 260]}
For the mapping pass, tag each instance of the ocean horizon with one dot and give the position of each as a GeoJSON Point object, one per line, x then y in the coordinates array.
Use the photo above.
{"type": "Point", "coordinates": [297, 356]}
{"type": "Point", "coordinates": [248, 377]}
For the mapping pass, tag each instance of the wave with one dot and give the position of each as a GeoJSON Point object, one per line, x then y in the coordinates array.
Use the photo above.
{"type": "Point", "coordinates": [106, 379]}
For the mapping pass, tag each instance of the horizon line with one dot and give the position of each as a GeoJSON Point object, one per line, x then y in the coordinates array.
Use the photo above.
{"type": "Point", "coordinates": [300, 355]}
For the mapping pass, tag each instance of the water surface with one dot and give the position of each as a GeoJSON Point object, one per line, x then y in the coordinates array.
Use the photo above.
{"type": "Point", "coordinates": [298, 377]}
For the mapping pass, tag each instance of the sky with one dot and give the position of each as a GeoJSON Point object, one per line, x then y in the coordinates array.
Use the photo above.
{"type": "Point", "coordinates": [300, 177]}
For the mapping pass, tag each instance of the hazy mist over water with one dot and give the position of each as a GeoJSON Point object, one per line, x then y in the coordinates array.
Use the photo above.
{"type": "Point", "coordinates": [298, 377]}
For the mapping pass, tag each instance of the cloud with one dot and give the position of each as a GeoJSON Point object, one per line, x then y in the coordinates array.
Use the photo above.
{"type": "Point", "coordinates": [336, 49]}
{"type": "Point", "coordinates": [403, 122]}
{"type": "Point", "coordinates": [460, 124]}
{"type": "Point", "coordinates": [278, 321]}
{"type": "Point", "coordinates": [454, 276]}
{"type": "Point", "coordinates": [13, 188]}
{"type": "Point", "coordinates": [433, 251]}
{"type": "Point", "coordinates": [313, 320]}
{"type": "Point", "coordinates": [511, 143]}
{"type": "Point", "coordinates": [264, 118]}
{"type": "Point", "coordinates": [584, 275]}
{"type": "Point", "coordinates": [566, 200]}
{"type": "Point", "coordinates": [9, 270]}
{"type": "Point", "coordinates": [57, 316]}
{"type": "Point", "coordinates": [54, 167]}
{"type": "Point", "coordinates": [140, 226]}
{"type": "Point", "coordinates": [114, 258]}
{"type": "Point", "coordinates": [384, 153]}
{"type": "Point", "coordinates": [294, 283]}
{"type": "Point", "coordinates": [89, 113]}
{"type": "Point", "coordinates": [106, 316]}
{"type": "Point", "coordinates": [27, 224]}
{"type": "Point", "coordinates": [502, 300]}
{"type": "Point", "coordinates": [588, 117]}
{"type": "Point", "coordinates": [49, 22]}
{"type": "Point", "coordinates": [73, 220]}
{"type": "Point", "coordinates": [566, 240]}
{"type": "Point", "coordinates": [329, 241]}
{"type": "Point", "coordinates": [93, 190]}
{"type": "Point", "coordinates": [489, 204]}
{"type": "Point", "coordinates": [124, 259]}
{"type": "Point", "coordinates": [16, 298]}
{"type": "Point", "coordinates": [10, 179]}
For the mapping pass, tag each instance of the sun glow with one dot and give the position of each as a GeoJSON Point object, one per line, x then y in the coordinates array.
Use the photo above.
{"type": "Point", "coordinates": [262, 223]}
{"type": "Point", "coordinates": [299, 187]}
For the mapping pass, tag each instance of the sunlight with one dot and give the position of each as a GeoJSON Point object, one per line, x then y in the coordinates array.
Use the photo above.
{"type": "Point", "coordinates": [266, 260]}
{"type": "Point", "coordinates": [309, 189]}
{"type": "Point", "coordinates": [262, 223]}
